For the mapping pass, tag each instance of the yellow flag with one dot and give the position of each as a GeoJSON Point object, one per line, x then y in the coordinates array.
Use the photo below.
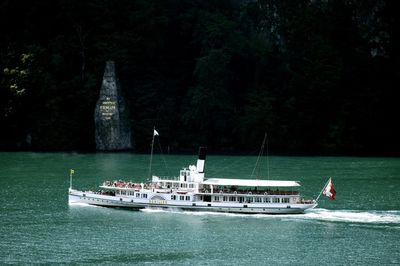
{"type": "Point", "coordinates": [72, 171]}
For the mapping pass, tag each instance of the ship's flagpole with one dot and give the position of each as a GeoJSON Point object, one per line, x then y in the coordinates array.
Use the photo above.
{"type": "Point", "coordinates": [327, 182]}
{"type": "Point", "coordinates": [155, 133]}
{"type": "Point", "coordinates": [71, 173]}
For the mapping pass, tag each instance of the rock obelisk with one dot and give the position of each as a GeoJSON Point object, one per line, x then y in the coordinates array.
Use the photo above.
{"type": "Point", "coordinates": [113, 130]}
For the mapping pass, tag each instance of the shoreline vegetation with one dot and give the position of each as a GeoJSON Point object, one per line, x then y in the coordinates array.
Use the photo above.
{"type": "Point", "coordinates": [321, 77]}
{"type": "Point", "coordinates": [211, 153]}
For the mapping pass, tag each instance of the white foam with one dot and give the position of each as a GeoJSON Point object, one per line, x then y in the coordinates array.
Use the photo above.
{"type": "Point", "coordinates": [318, 214]}
{"type": "Point", "coordinates": [153, 210]}
{"type": "Point", "coordinates": [377, 217]}
{"type": "Point", "coordinates": [354, 216]}
{"type": "Point", "coordinates": [202, 213]}
{"type": "Point", "coordinates": [81, 204]}
{"type": "Point", "coordinates": [192, 213]}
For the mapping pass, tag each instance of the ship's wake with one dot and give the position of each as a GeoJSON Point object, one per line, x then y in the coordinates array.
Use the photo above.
{"type": "Point", "coordinates": [318, 214]}
{"type": "Point", "coordinates": [353, 216]}
{"type": "Point", "coordinates": [391, 217]}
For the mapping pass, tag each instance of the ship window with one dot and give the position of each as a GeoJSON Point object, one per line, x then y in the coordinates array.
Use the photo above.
{"type": "Point", "coordinates": [190, 185]}
{"type": "Point", "coordinates": [187, 197]}
{"type": "Point", "coordinates": [181, 197]}
{"type": "Point", "coordinates": [267, 199]}
{"type": "Point", "coordinates": [144, 196]}
{"type": "Point", "coordinates": [276, 200]}
{"type": "Point", "coordinates": [232, 198]}
{"type": "Point", "coordinates": [225, 198]}
{"type": "Point", "coordinates": [173, 197]}
{"type": "Point", "coordinates": [258, 199]}
{"type": "Point", "coordinates": [285, 200]}
{"type": "Point", "coordinates": [216, 198]}
{"type": "Point", "coordinates": [137, 195]}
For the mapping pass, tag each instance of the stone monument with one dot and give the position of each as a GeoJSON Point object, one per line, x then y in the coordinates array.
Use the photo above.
{"type": "Point", "coordinates": [113, 130]}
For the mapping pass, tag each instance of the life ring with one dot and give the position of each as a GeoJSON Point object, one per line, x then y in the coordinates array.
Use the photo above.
{"type": "Point", "coordinates": [250, 193]}
{"type": "Point", "coordinates": [265, 193]}
{"type": "Point", "coordinates": [206, 191]}
{"type": "Point", "coordinates": [220, 192]}
{"type": "Point", "coordinates": [235, 192]}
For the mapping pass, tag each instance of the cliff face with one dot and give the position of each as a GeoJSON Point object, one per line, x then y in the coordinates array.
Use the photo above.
{"type": "Point", "coordinates": [113, 131]}
{"type": "Point", "coordinates": [369, 17]}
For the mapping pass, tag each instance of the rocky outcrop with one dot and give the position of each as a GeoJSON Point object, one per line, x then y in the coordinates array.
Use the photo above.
{"type": "Point", "coordinates": [113, 130]}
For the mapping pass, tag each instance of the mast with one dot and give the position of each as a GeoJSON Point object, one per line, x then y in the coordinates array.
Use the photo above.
{"type": "Point", "coordinates": [266, 139]}
{"type": "Point", "coordinates": [155, 133]}
{"type": "Point", "coordinates": [257, 166]}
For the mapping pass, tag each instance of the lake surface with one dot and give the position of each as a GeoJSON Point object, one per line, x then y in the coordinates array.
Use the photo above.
{"type": "Point", "coordinates": [362, 226]}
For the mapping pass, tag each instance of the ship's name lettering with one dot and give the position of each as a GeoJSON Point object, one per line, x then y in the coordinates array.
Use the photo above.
{"type": "Point", "coordinates": [158, 202]}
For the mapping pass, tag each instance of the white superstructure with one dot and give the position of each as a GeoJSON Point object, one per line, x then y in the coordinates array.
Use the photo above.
{"type": "Point", "coordinates": [192, 191]}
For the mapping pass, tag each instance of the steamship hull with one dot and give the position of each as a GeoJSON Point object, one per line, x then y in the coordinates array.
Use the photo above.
{"type": "Point", "coordinates": [120, 201]}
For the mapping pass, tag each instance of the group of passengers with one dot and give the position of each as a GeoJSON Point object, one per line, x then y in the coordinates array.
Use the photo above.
{"type": "Point", "coordinates": [123, 184]}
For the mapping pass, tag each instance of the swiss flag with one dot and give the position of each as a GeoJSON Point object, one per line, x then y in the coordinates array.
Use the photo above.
{"type": "Point", "coordinates": [329, 190]}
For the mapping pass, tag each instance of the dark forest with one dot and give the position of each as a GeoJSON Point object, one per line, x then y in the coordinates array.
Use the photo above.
{"type": "Point", "coordinates": [321, 77]}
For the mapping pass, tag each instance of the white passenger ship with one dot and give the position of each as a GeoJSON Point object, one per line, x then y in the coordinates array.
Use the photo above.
{"type": "Point", "coordinates": [193, 192]}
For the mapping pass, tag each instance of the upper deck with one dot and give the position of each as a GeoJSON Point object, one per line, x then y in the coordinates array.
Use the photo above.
{"type": "Point", "coordinates": [225, 186]}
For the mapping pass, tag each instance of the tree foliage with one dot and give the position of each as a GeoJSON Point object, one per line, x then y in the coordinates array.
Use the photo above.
{"type": "Point", "coordinates": [318, 76]}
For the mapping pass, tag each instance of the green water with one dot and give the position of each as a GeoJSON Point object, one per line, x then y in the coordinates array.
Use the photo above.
{"type": "Point", "coordinates": [362, 226]}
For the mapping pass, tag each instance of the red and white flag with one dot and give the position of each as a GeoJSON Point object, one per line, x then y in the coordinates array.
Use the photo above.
{"type": "Point", "coordinates": [329, 190]}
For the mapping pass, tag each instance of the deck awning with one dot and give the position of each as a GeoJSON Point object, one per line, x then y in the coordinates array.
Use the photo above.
{"type": "Point", "coordinates": [250, 183]}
